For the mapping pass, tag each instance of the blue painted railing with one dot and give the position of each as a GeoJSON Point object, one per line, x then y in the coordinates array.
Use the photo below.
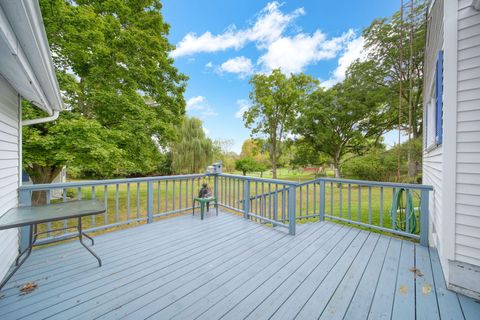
{"type": "Point", "coordinates": [277, 203]}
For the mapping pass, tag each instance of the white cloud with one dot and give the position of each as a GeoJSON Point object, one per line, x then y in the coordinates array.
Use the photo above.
{"type": "Point", "coordinates": [209, 65]}
{"type": "Point", "coordinates": [198, 105]}
{"type": "Point", "coordinates": [240, 65]}
{"type": "Point", "coordinates": [195, 103]}
{"type": "Point", "coordinates": [293, 54]}
{"type": "Point", "coordinates": [269, 26]}
{"type": "Point", "coordinates": [243, 106]}
{"type": "Point", "coordinates": [354, 50]}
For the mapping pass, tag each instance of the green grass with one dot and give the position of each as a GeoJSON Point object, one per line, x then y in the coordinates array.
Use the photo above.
{"type": "Point", "coordinates": [122, 205]}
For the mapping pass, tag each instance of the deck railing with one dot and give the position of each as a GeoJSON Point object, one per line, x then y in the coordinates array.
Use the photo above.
{"type": "Point", "coordinates": [276, 203]}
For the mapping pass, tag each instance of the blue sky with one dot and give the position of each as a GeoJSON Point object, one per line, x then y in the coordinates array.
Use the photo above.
{"type": "Point", "coordinates": [220, 44]}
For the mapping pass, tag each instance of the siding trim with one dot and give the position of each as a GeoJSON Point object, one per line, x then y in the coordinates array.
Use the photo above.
{"type": "Point", "coordinates": [449, 174]}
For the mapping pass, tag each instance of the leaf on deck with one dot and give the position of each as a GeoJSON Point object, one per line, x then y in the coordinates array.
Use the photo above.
{"type": "Point", "coordinates": [426, 288]}
{"type": "Point", "coordinates": [27, 288]}
{"type": "Point", "coordinates": [403, 289]}
{"type": "Point", "coordinates": [416, 271]}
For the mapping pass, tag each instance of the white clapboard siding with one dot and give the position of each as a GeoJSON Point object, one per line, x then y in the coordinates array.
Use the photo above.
{"type": "Point", "coordinates": [433, 159]}
{"type": "Point", "coordinates": [9, 171]}
{"type": "Point", "coordinates": [467, 224]}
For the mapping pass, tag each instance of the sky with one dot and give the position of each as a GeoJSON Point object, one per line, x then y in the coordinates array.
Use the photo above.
{"type": "Point", "coordinates": [221, 44]}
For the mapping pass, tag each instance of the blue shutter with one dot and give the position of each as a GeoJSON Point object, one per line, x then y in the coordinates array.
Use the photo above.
{"type": "Point", "coordinates": [439, 98]}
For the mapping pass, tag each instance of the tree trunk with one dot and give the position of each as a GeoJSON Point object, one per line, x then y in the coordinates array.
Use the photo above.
{"type": "Point", "coordinates": [336, 169]}
{"type": "Point", "coordinates": [273, 158]}
{"type": "Point", "coordinates": [40, 174]}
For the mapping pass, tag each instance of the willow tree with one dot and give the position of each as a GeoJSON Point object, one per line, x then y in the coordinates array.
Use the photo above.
{"type": "Point", "coordinates": [192, 152]}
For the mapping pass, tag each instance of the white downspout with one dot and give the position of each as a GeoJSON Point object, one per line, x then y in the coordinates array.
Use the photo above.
{"type": "Point", "coordinates": [41, 120]}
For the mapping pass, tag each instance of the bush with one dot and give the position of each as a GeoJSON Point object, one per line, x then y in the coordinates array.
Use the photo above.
{"type": "Point", "coordinates": [376, 166]}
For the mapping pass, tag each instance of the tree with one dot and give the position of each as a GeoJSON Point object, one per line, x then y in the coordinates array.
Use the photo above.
{"type": "Point", "coordinates": [113, 66]}
{"type": "Point", "coordinates": [338, 122]}
{"type": "Point", "coordinates": [222, 150]}
{"type": "Point", "coordinates": [192, 152]}
{"type": "Point", "coordinates": [276, 101]}
{"type": "Point", "coordinates": [387, 68]}
{"type": "Point", "coordinates": [247, 164]}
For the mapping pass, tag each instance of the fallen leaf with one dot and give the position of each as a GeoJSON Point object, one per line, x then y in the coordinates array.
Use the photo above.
{"type": "Point", "coordinates": [426, 288]}
{"type": "Point", "coordinates": [27, 288]}
{"type": "Point", "coordinates": [417, 272]}
{"type": "Point", "coordinates": [403, 289]}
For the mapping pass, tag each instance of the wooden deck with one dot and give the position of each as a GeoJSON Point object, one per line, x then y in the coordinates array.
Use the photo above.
{"type": "Point", "coordinates": [231, 268]}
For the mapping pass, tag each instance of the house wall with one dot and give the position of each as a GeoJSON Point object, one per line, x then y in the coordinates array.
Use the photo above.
{"type": "Point", "coordinates": [465, 269]}
{"type": "Point", "coordinates": [9, 169]}
{"type": "Point", "coordinates": [433, 157]}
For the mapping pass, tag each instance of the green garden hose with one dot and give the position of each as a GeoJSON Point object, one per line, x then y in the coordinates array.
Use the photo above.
{"type": "Point", "coordinates": [399, 212]}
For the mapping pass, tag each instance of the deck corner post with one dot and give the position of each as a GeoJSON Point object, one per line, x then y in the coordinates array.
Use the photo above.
{"type": "Point", "coordinates": [24, 199]}
{"type": "Point", "coordinates": [246, 199]}
{"type": "Point", "coordinates": [322, 200]}
{"type": "Point", "coordinates": [149, 201]}
{"type": "Point", "coordinates": [292, 201]}
{"type": "Point", "coordinates": [424, 217]}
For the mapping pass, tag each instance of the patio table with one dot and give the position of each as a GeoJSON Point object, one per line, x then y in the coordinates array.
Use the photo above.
{"type": "Point", "coordinates": [32, 216]}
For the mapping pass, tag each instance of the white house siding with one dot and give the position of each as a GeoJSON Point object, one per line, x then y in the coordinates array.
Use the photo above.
{"type": "Point", "coordinates": [433, 157]}
{"type": "Point", "coordinates": [467, 231]}
{"type": "Point", "coordinates": [9, 170]}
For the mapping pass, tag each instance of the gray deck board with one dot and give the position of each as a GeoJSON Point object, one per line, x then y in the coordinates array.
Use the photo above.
{"type": "Point", "coordinates": [232, 268]}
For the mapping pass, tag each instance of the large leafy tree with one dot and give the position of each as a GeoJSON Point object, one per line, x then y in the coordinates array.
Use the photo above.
{"type": "Point", "coordinates": [123, 94]}
{"type": "Point", "coordinates": [276, 101]}
{"type": "Point", "coordinates": [388, 68]}
{"type": "Point", "coordinates": [340, 122]}
{"type": "Point", "coordinates": [192, 151]}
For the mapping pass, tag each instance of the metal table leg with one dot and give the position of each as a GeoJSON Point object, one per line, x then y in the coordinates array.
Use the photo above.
{"type": "Point", "coordinates": [80, 237]}
{"type": "Point", "coordinates": [18, 262]}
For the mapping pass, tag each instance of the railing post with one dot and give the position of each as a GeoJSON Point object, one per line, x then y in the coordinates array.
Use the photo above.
{"type": "Point", "coordinates": [246, 198]}
{"type": "Point", "coordinates": [322, 200]}
{"type": "Point", "coordinates": [149, 201]}
{"type": "Point", "coordinates": [424, 216]}
{"type": "Point", "coordinates": [215, 186]}
{"type": "Point", "coordinates": [24, 199]}
{"type": "Point", "coordinates": [291, 210]}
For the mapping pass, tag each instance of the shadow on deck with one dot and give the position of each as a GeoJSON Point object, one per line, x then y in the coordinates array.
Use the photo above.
{"type": "Point", "coordinates": [228, 267]}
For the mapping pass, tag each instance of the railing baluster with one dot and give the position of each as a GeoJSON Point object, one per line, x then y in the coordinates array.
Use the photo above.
{"type": "Point", "coordinates": [314, 198]}
{"type": "Point", "coordinates": [359, 203]}
{"type": "Point", "coordinates": [381, 206]}
{"type": "Point", "coordinates": [166, 195]}
{"type": "Point", "coordinates": [340, 200]}
{"type": "Point", "coordinates": [284, 210]}
{"type": "Point", "coordinates": [300, 211]}
{"type": "Point", "coordinates": [105, 200]}
{"type": "Point", "coordinates": [79, 193]}
{"type": "Point", "coordinates": [349, 201]}
{"type": "Point", "coordinates": [331, 199]}
{"type": "Point", "coordinates": [424, 207]}
{"type": "Point", "coordinates": [117, 216]}
{"type": "Point", "coordinates": [307, 196]}
{"type": "Point", "coordinates": [93, 198]}
{"type": "Point", "coordinates": [407, 209]}
{"type": "Point", "coordinates": [128, 201]}
{"type": "Point", "coordinates": [269, 201]}
{"type": "Point", "coordinates": [394, 221]}
{"type": "Point", "coordinates": [158, 197]}
{"type": "Point", "coordinates": [369, 205]}
{"type": "Point", "coordinates": [186, 191]}
{"type": "Point", "coordinates": [138, 200]}
{"type": "Point", "coordinates": [173, 194]}
{"type": "Point", "coordinates": [49, 224]}
{"type": "Point", "coordinates": [64, 197]}
{"type": "Point", "coordinates": [180, 194]}
{"type": "Point", "coordinates": [322, 200]}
